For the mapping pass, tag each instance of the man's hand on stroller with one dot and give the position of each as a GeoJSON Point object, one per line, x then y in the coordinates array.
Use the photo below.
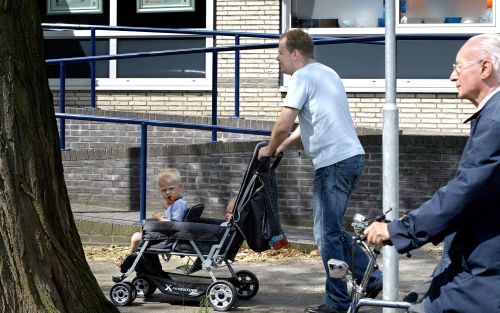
{"type": "Point", "coordinates": [264, 153]}
{"type": "Point", "coordinates": [377, 233]}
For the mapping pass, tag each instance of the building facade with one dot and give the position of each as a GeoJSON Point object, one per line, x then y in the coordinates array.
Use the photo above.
{"type": "Point", "coordinates": [102, 161]}
{"type": "Point", "coordinates": [182, 84]}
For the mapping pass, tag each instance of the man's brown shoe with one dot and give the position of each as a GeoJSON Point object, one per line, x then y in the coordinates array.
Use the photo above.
{"type": "Point", "coordinates": [322, 308]}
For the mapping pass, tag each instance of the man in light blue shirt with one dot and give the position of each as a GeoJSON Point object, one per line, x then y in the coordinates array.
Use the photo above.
{"type": "Point", "coordinates": [317, 96]}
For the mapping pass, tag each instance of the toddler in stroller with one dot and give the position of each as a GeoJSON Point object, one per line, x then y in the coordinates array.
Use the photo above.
{"type": "Point", "coordinates": [255, 219]}
{"type": "Point", "coordinates": [170, 186]}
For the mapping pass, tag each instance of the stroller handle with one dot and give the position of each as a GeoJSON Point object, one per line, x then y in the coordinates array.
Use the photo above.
{"type": "Point", "coordinates": [262, 164]}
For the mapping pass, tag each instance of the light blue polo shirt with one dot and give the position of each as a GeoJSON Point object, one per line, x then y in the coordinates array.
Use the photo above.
{"type": "Point", "coordinates": [177, 210]}
{"type": "Point", "coordinates": [326, 126]}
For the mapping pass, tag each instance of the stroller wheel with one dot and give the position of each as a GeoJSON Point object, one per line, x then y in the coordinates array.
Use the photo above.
{"type": "Point", "coordinates": [121, 294]}
{"type": "Point", "coordinates": [247, 284]}
{"type": "Point", "coordinates": [132, 289]}
{"type": "Point", "coordinates": [221, 295]}
{"type": "Point", "coordinates": [144, 286]}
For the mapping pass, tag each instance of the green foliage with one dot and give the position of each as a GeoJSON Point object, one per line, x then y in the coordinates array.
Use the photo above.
{"type": "Point", "coordinates": [204, 307]}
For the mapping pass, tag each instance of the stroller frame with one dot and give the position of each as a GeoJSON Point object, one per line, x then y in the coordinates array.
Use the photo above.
{"type": "Point", "coordinates": [221, 293]}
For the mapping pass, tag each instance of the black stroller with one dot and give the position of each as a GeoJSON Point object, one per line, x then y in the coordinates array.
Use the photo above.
{"type": "Point", "coordinates": [255, 220]}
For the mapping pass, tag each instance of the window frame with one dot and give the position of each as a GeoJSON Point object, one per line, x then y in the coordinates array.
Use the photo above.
{"type": "Point", "coordinates": [403, 85]}
{"type": "Point", "coordinates": [154, 84]}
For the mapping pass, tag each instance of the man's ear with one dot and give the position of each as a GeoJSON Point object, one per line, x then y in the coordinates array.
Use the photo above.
{"type": "Point", "coordinates": [486, 69]}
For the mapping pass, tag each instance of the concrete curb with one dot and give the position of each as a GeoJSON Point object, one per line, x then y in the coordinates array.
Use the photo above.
{"type": "Point", "coordinates": [100, 233]}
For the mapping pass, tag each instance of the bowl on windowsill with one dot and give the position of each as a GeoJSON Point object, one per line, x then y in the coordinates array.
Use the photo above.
{"type": "Point", "coordinates": [364, 22]}
{"type": "Point", "coordinates": [346, 21]}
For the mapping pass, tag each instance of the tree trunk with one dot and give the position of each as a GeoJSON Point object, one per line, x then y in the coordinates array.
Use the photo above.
{"type": "Point", "coordinates": [42, 264]}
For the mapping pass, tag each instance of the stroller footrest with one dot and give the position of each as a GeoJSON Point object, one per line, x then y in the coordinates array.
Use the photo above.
{"type": "Point", "coordinates": [117, 279]}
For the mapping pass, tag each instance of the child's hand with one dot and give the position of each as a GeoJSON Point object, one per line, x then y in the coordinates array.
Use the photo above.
{"type": "Point", "coordinates": [158, 216]}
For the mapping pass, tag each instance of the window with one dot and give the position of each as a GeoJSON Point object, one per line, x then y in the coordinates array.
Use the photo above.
{"type": "Point", "coordinates": [177, 72]}
{"type": "Point", "coordinates": [76, 48]}
{"type": "Point", "coordinates": [336, 13]}
{"type": "Point", "coordinates": [445, 12]}
{"type": "Point", "coordinates": [172, 66]}
{"type": "Point", "coordinates": [422, 65]}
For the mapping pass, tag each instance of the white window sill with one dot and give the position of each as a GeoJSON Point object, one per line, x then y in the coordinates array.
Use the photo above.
{"type": "Point", "coordinates": [408, 29]}
{"type": "Point", "coordinates": [136, 84]}
{"type": "Point", "coordinates": [403, 85]}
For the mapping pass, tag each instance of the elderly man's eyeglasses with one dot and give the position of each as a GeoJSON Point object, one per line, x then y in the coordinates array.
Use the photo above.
{"type": "Point", "coordinates": [459, 68]}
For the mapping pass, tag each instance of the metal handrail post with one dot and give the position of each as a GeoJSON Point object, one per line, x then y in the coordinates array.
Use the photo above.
{"type": "Point", "coordinates": [237, 77]}
{"type": "Point", "coordinates": [205, 50]}
{"type": "Point", "coordinates": [62, 109]}
{"type": "Point", "coordinates": [214, 92]}
{"type": "Point", "coordinates": [168, 30]}
{"type": "Point", "coordinates": [144, 158]}
{"type": "Point", "coordinates": [92, 68]}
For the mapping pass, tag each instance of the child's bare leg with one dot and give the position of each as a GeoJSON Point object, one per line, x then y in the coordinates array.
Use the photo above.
{"type": "Point", "coordinates": [134, 242]}
{"type": "Point", "coordinates": [134, 245]}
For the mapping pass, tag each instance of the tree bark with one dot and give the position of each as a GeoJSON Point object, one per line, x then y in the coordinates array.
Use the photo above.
{"type": "Point", "coordinates": [42, 264]}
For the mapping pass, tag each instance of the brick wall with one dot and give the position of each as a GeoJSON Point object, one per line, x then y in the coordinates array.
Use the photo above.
{"type": "Point", "coordinates": [259, 79]}
{"type": "Point", "coordinates": [212, 173]}
{"type": "Point", "coordinates": [418, 113]}
{"type": "Point", "coordinates": [94, 135]}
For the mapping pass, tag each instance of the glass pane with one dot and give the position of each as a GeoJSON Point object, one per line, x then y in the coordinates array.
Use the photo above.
{"type": "Point", "coordinates": [170, 66]}
{"type": "Point", "coordinates": [431, 59]}
{"type": "Point", "coordinates": [75, 17]}
{"type": "Point", "coordinates": [419, 59]}
{"type": "Point", "coordinates": [67, 48]}
{"type": "Point", "coordinates": [128, 16]}
{"type": "Point", "coordinates": [337, 13]}
{"type": "Point", "coordinates": [446, 11]}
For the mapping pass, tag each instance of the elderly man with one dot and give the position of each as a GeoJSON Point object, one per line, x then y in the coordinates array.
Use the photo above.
{"type": "Point", "coordinates": [316, 95]}
{"type": "Point", "coordinates": [469, 205]}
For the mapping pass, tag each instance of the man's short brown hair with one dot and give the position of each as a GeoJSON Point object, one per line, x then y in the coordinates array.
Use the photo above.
{"type": "Point", "coordinates": [300, 40]}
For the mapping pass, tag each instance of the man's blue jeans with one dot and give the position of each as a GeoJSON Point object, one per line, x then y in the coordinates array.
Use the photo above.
{"type": "Point", "coordinates": [333, 185]}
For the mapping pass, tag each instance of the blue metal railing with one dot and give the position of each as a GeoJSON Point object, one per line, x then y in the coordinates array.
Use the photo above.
{"type": "Point", "coordinates": [144, 123]}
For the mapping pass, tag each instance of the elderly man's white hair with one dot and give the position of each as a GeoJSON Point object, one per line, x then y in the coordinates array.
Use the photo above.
{"type": "Point", "coordinates": [490, 43]}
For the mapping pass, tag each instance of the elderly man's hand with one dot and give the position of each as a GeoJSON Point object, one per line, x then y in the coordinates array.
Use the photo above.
{"type": "Point", "coordinates": [377, 233]}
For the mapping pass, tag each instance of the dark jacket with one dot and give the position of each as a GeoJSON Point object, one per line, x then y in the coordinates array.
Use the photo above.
{"type": "Point", "coordinates": [258, 218]}
{"type": "Point", "coordinates": [470, 206]}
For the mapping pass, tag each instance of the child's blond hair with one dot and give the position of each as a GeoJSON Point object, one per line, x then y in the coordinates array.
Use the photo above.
{"type": "Point", "coordinates": [170, 175]}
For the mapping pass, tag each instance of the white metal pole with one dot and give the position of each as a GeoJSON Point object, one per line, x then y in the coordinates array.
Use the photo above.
{"type": "Point", "coordinates": [390, 151]}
